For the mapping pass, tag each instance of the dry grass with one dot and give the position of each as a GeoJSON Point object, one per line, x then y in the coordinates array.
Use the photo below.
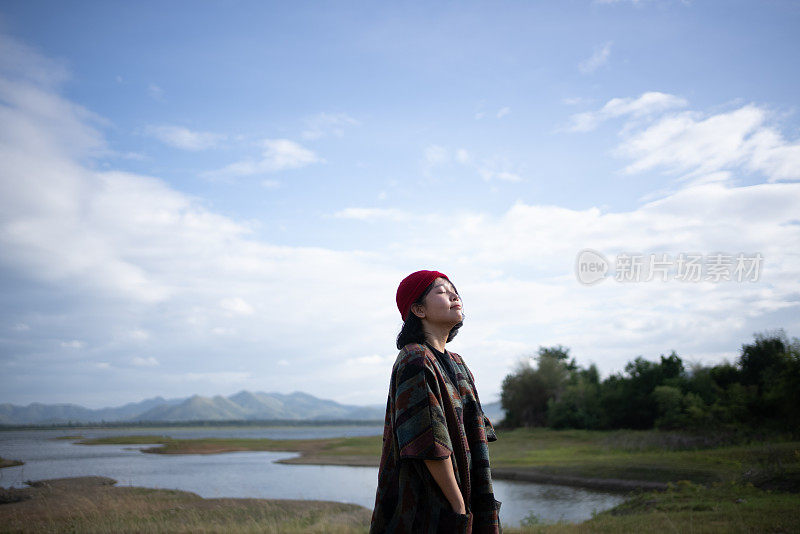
{"type": "Point", "coordinates": [719, 497]}
{"type": "Point", "coordinates": [355, 451]}
{"type": "Point", "coordinates": [94, 504]}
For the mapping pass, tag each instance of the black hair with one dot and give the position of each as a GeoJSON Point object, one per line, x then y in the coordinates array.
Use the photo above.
{"type": "Point", "coordinates": [412, 331]}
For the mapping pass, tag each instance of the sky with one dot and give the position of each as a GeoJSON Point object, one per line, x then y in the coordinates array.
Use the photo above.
{"type": "Point", "coordinates": [206, 197]}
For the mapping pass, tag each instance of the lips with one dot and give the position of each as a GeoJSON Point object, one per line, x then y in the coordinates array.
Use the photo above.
{"type": "Point", "coordinates": [457, 307]}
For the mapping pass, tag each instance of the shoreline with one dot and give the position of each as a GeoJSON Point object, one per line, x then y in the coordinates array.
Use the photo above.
{"type": "Point", "coordinates": [310, 452]}
{"type": "Point", "coordinates": [5, 462]}
{"type": "Point", "coordinates": [614, 461]}
{"type": "Point", "coordinates": [97, 504]}
{"type": "Point", "coordinates": [616, 485]}
{"type": "Point", "coordinates": [751, 486]}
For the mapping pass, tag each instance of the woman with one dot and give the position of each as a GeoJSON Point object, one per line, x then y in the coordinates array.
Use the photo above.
{"type": "Point", "coordinates": [434, 474]}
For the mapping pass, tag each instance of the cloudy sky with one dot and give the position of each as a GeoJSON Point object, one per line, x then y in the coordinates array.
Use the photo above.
{"type": "Point", "coordinates": [217, 196]}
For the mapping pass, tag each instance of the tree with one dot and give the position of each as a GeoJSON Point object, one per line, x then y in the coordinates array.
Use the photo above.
{"type": "Point", "coordinates": [762, 359]}
{"type": "Point", "coordinates": [526, 391]}
{"type": "Point", "coordinates": [577, 406]}
{"type": "Point", "coordinates": [628, 401]}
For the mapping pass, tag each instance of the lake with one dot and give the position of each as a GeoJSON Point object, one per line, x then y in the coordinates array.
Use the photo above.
{"type": "Point", "coordinates": [255, 474]}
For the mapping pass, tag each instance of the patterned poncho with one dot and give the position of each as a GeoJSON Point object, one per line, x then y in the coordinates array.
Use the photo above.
{"type": "Point", "coordinates": [428, 417]}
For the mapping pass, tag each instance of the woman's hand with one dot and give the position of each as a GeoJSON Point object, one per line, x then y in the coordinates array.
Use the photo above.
{"type": "Point", "coordinates": [443, 474]}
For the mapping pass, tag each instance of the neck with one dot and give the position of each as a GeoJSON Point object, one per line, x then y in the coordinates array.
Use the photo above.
{"type": "Point", "coordinates": [436, 335]}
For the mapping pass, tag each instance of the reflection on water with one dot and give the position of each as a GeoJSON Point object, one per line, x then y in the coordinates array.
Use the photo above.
{"type": "Point", "coordinates": [254, 474]}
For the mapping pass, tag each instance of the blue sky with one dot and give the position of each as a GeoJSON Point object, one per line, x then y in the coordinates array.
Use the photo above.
{"type": "Point", "coordinates": [209, 197]}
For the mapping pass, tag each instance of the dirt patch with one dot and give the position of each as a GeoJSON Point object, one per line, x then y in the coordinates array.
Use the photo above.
{"type": "Point", "coordinates": [607, 484]}
{"type": "Point", "coordinates": [352, 461]}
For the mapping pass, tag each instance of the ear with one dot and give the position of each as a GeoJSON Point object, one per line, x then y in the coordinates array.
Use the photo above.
{"type": "Point", "coordinates": [418, 310]}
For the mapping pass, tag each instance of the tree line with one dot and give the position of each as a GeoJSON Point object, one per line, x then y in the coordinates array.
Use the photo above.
{"type": "Point", "coordinates": [760, 390]}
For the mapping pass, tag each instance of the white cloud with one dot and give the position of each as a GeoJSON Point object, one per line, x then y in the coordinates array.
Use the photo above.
{"type": "Point", "coordinates": [74, 344]}
{"type": "Point", "coordinates": [436, 155]}
{"type": "Point", "coordinates": [490, 169]}
{"type": "Point", "coordinates": [155, 92]}
{"type": "Point", "coordinates": [138, 334]}
{"type": "Point", "coordinates": [505, 176]}
{"type": "Point", "coordinates": [325, 124]}
{"type": "Point", "coordinates": [699, 146]}
{"type": "Point", "coordinates": [24, 63]}
{"type": "Point", "coordinates": [223, 331]}
{"type": "Point", "coordinates": [773, 155]}
{"type": "Point", "coordinates": [696, 145]}
{"type": "Point", "coordinates": [218, 378]}
{"type": "Point", "coordinates": [237, 306]}
{"type": "Point", "coordinates": [20, 327]}
{"type": "Point", "coordinates": [573, 101]}
{"type": "Point", "coordinates": [184, 138]}
{"type": "Point", "coordinates": [363, 214]}
{"type": "Point", "coordinates": [372, 360]}
{"type": "Point", "coordinates": [597, 60]}
{"type": "Point", "coordinates": [499, 114]}
{"type": "Point", "coordinates": [124, 252]}
{"type": "Point", "coordinates": [278, 155]}
{"type": "Point", "coordinates": [145, 362]}
{"type": "Point", "coordinates": [646, 104]}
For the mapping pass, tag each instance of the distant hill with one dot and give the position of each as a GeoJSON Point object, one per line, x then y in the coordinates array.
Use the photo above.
{"type": "Point", "coordinates": [38, 413]}
{"type": "Point", "coordinates": [244, 405]}
{"type": "Point", "coordinates": [494, 412]}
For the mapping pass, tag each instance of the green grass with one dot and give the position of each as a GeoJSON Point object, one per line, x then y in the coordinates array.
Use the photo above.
{"type": "Point", "coordinates": [640, 455]}
{"type": "Point", "coordinates": [687, 507]}
{"type": "Point", "coordinates": [351, 451]}
{"type": "Point", "coordinates": [627, 455]}
{"type": "Point", "coordinates": [750, 486]}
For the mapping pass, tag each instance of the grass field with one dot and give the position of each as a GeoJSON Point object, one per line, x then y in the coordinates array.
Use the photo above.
{"type": "Point", "coordinates": [750, 486]}
{"type": "Point", "coordinates": [690, 508]}
{"type": "Point", "coordinates": [359, 451]}
{"type": "Point", "coordinates": [94, 504]}
{"type": "Point", "coordinates": [646, 456]}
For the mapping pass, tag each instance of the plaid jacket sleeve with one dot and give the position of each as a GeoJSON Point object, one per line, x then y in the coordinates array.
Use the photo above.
{"type": "Point", "coordinates": [419, 417]}
{"type": "Point", "coordinates": [489, 428]}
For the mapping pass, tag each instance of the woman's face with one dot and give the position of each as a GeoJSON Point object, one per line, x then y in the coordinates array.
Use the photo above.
{"type": "Point", "coordinates": [442, 303]}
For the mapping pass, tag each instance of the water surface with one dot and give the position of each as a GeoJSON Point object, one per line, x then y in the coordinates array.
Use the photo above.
{"type": "Point", "coordinates": [255, 474]}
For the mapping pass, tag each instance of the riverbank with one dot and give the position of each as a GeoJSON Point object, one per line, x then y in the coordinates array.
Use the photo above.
{"type": "Point", "coordinates": [4, 462]}
{"type": "Point", "coordinates": [95, 504]}
{"type": "Point", "coordinates": [616, 460]}
{"type": "Point", "coordinates": [686, 507]}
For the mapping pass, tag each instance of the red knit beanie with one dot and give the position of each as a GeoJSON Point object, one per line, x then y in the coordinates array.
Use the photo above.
{"type": "Point", "coordinates": [412, 287]}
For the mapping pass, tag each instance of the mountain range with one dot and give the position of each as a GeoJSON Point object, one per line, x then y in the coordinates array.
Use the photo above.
{"type": "Point", "coordinates": [242, 406]}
